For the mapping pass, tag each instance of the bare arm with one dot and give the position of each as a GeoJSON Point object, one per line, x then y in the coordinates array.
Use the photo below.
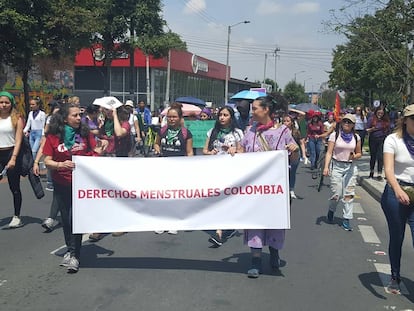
{"type": "Point", "coordinates": [328, 158]}
{"type": "Point", "coordinates": [189, 147]}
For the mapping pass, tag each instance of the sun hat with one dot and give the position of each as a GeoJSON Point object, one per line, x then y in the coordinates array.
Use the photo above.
{"type": "Point", "coordinates": [349, 117]}
{"type": "Point", "coordinates": [129, 103]}
{"type": "Point", "coordinates": [408, 111]}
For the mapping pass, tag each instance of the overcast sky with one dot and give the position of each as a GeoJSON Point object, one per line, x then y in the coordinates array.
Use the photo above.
{"type": "Point", "coordinates": [294, 27]}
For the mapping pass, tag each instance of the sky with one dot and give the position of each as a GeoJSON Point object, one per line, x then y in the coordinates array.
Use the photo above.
{"type": "Point", "coordinates": [295, 28]}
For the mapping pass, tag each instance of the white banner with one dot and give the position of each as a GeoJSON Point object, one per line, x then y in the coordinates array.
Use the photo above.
{"type": "Point", "coordinates": [246, 191]}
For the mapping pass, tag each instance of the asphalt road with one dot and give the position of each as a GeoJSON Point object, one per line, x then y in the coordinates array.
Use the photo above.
{"type": "Point", "coordinates": [324, 267]}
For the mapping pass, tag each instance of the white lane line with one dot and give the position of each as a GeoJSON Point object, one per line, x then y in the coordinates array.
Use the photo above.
{"type": "Point", "coordinates": [85, 237]}
{"type": "Point", "coordinates": [358, 208]}
{"type": "Point", "coordinates": [368, 234]}
{"type": "Point", "coordinates": [384, 270]}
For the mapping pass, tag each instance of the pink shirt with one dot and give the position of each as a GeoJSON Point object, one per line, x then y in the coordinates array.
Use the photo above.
{"type": "Point", "coordinates": [342, 149]}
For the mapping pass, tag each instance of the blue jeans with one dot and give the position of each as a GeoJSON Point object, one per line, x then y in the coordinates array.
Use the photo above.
{"type": "Point", "coordinates": [397, 216]}
{"type": "Point", "coordinates": [292, 174]}
{"type": "Point", "coordinates": [34, 140]}
{"type": "Point", "coordinates": [315, 148]}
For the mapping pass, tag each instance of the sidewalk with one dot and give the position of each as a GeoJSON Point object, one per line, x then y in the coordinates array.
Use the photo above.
{"type": "Point", "coordinates": [372, 186]}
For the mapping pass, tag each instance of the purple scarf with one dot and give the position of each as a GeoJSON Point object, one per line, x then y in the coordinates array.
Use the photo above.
{"type": "Point", "coordinates": [409, 143]}
{"type": "Point", "coordinates": [347, 137]}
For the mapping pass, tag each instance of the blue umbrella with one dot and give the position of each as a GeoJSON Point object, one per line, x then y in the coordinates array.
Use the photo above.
{"type": "Point", "coordinates": [191, 100]}
{"type": "Point", "coordinates": [249, 95]}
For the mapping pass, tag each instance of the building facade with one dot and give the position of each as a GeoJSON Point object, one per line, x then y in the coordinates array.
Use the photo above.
{"type": "Point", "coordinates": [156, 81]}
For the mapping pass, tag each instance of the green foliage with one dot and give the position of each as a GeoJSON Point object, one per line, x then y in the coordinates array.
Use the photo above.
{"type": "Point", "coordinates": [295, 93]}
{"type": "Point", "coordinates": [373, 63]}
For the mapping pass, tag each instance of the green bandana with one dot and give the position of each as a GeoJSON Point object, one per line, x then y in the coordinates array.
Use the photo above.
{"type": "Point", "coordinates": [69, 139]}
{"type": "Point", "coordinates": [9, 96]}
{"type": "Point", "coordinates": [109, 127]}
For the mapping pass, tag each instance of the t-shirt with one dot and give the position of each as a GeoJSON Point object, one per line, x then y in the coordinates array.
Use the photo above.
{"type": "Point", "coordinates": [55, 148]}
{"type": "Point", "coordinates": [222, 143]}
{"type": "Point", "coordinates": [123, 144]}
{"type": "Point", "coordinates": [315, 129]}
{"type": "Point", "coordinates": [176, 146]}
{"type": "Point", "coordinates": [403, 160]}
{"type": "Point", "coordinates": [342, 149]}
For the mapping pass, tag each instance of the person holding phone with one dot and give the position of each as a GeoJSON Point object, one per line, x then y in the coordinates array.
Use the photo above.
{"type": "Point", "coordinates": [344, 146]}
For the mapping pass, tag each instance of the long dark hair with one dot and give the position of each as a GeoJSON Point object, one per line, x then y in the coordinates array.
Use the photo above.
{"type": "Point", "coordinates": [275, 107]}
{"type": "Point", "coordinates": [217, 126]}
{"type": "Point", "coordinates": [57, 123]}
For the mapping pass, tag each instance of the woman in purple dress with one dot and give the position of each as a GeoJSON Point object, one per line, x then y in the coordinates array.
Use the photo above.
{"type": "Point", "coordinates": [266, 135]}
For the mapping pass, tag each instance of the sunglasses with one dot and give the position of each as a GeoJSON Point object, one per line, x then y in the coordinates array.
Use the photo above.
{"type": "Point", "coordinates": [346, 121]}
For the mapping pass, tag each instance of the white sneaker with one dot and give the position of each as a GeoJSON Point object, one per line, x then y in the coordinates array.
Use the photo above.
{"type": "Point", "coordinates": [293, 195]}
{"type": "Point", "coordinates": [306, 162]}
{"type": "Point", "coordinates": [65, 261]}
{"type": "Point", "coordinates": [159, 231]}
{"type": "Point", "coordinates": [16, 222]}
{"type": "Point", "coordinates": [49, 223]}
{"type": "Point", "coordinates": [73, 265]}
{"type": "Point", "coordinates": [174, 232]}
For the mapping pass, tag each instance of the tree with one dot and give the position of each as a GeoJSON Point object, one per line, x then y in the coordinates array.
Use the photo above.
{"type": "Point", "coordinates": [295, 93]}
{"type": "Point", "coordinates": [35, 29]}
{"type": "Point", "coordinates": [376, 61]}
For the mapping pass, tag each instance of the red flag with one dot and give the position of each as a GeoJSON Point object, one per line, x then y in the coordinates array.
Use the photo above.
{"type": "Point", "coordinates": [337, 109]}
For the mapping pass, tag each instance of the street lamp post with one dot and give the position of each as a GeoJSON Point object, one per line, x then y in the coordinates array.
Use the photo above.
{"type": "Point", "coordinates": [226, 87]}
{"type": "Point", "coordinates": [302, 71]}
{"type": "Point", "coordinates": [304, 85]}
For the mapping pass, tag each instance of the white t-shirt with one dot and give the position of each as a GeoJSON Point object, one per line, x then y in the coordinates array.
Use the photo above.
{"type": "Point", "coordinates": [7, 133]}
{"type": "Point", "coordinates": [342, 149]}
{"type": "Point", "coordinates": [403, 160]}
{"type": "Point", "coordinates": [131, 120]}
{"type": "Point", "coordinates": [227, 140]}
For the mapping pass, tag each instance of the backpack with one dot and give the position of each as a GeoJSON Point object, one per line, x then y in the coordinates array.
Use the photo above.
{"type": "Point", "coordinates": [184, 131]}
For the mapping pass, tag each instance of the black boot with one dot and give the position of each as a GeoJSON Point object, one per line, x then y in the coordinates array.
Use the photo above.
{"type": "Point", "coordinates": [371, 174]}
{"type": "Point", "coordinates": [274, 258]}
{"type": "Point", "coordinates": [256, 267]}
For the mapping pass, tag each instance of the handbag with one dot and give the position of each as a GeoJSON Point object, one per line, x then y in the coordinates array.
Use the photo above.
{"type": "Point", "coordinates": [409, 190]}
{"type": "Point", "coordinates": [36, 184]}
{"type": "Point", "coordinates": [25, 157]}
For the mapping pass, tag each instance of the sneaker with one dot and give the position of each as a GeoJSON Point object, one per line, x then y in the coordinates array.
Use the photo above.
{"type": "Point", "coordinates": [49, 224]}
{"type": "Point", "coordinates": [73, 265]}
{"type": "Point", "coordinates": [293, 195]}
{"type": "Point", "coordinates": [393, 286]}
{"type": "Point", "coordinates": [253, 273]}
{"type": "Point", "coordinates": [65, 260]}
{"type": "Point", "coordinates": [330, 216]}
{"type": "Point", "coordinates": [95, 237]}
{"type": "Point", "coordinates": [49, 188]}
{"type": "Point", "coordinates": [347, 225]}
{"type": "Point", "coordinates": [116, 234]}
{"type": "Point", "coordinates": [173, 232]}
{"type": "Point", "coordinates": [216, 240]}
{"type": "Point", "coordinates": [159, 231]}
{"type": "Point", "coordinates": [16, 222]}
{"type": "Point", "coordinates": [379, 178]}
{"type": "Point", "coordinates": [306, 162]}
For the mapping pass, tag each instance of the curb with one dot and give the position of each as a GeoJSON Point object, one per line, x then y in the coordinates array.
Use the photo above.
{"type": "Point", "coordinates": [370, 188]}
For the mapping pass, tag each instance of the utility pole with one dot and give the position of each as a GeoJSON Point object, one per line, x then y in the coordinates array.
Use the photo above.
{"type": "Point", "coordinates": [264, 73]}
{"type": "Point", "coordinates": [276, 51]}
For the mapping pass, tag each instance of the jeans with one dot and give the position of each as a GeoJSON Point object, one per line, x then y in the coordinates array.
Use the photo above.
{"type": "Point", "coordinates": [292, 174]}
{"type": "Point", "coordinates": [397, 216]}
{"type": "Point", "coordinates": [376, 148]}
{"type": "Point", "coordinates": [315, 148]}
{"type": "Point", "coordinates": [63, 196]}
{"type": "Point", "coordinates": [343, 181]}
{"type": "Point", "coordinates": [34, 140]}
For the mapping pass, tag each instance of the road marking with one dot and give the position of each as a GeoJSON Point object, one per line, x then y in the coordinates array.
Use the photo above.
{"type": "Point", "coordinates": [368, 234]}
{"type": "Point", "coordinates": [358, 208]}
{"type": "Point", "coordinates": [85, 237]}
{"type": "Point", "coordinates": [2, 282]}
{"type": "Point", "coordinates": [383, 270]}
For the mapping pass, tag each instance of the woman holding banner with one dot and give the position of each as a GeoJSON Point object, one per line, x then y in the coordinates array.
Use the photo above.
{"type": "Point", "coordinates": [67, 136]}
{"type": "Point", "coordinates": [174, 140]}
{"type": "Point", "coordinates": [265, 135]}
{"type": "Point", "coordinates": [224, 135]}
